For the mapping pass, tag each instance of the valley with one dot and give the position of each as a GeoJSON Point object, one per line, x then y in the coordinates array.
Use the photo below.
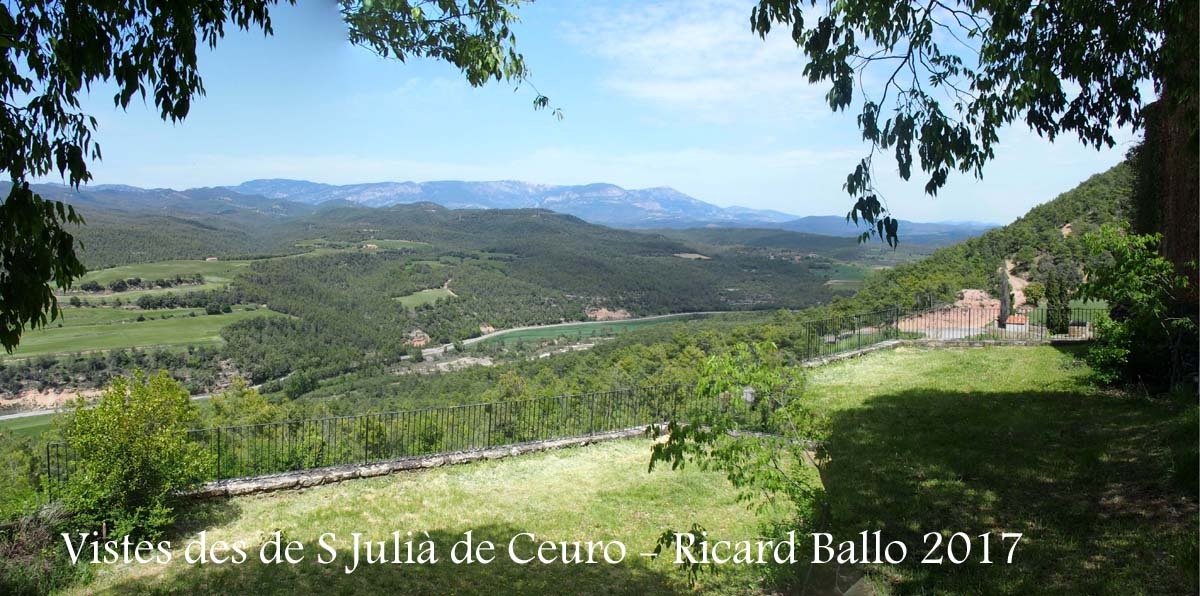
{"type": "Point", "coordinates": [387, 285]}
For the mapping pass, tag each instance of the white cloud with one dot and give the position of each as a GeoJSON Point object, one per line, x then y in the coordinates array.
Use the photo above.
{"type": "Point", "coordinates": [700, 57]}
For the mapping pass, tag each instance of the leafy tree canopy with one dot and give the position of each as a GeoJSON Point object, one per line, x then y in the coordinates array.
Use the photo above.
{"type": "Point", "coordinates": [53, 51]}
{"type": "Point", "coordinates": [937, 79]}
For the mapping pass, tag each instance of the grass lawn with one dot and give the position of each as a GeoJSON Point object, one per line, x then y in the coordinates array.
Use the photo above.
{"type": "Point", "coordinates": [423, 297]}
{"type": "Point", "coordinates": [1010, 439]}
{"type": "Point", "coordinates": [121, 332]}
{"type": "Point", "coordinates": [599, 492]}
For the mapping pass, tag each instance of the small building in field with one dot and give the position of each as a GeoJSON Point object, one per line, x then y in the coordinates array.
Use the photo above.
{"type": "Point", "coordinates": [418, 338]}
{"type": "Point", "coordinates": [1017, 322]}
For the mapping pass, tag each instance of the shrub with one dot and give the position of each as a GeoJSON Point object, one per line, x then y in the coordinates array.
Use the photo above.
{"type": "Point", "coordinates": [1108, 356]}
{"type": "Point", "coordinates": [31, 559]}
{"type": "Point", "coordinates": [298, 384]}
{"type": "Point", "coordinates": [132, 455]}
{"type": "Point", "coordinates": [1145, 293]}
{"type": "Point", "coordinates": [1035, 292]}
{"type": "Point", "coordinates": [1058, 307]}
{"type": "Point", "coordinates": [212, 309]}
{"type": "Point", "coordinates": [18, 476]}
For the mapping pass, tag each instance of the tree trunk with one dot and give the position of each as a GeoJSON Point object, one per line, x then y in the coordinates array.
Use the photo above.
{"type": "Point", "coordinates": [1168, 192]}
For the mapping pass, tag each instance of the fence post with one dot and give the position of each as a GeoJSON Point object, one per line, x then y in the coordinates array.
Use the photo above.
{"type": "Point", "coordinates": [218, 430]}
{"type": "Point", "coordinates": [491, 410]}
{"type": "Point", "coordinates": [49, 480]}
{"type": "Point", "coordinates": [592, 413]}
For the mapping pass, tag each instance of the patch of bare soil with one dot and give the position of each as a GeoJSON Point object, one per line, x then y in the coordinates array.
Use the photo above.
{"type": "Point", "coordinates": [1016, 283]}
{"type": "Point", "coordinates": [31, 399]}
{"type": "Point", "coordinates": [692, 256]}
{"type": "Point", "coordinates": [604, 314]}
{"type": "Point", "coordinates": [442, 365]}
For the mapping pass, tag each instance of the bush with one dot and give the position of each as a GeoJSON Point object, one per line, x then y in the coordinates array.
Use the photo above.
{"type": "Point", "coordinates": [298, 384]}
{"type": "Point", "coordinates": [1058, 307]}
{"type": "Point", "coordinates": [1035, 292]}
{"type": "Point", "coordinates": [31, 559]}
{"type": "Point", "coordinates": [212, 309]}
{"type": "Point", "coordinates": [132, 455]}
{"type": "Point", "coordinates": [1149, 311]}
{"type": "Point", "coordinates": [18, 476]}
{"type": "Point", "coordinates": [1108, 356]}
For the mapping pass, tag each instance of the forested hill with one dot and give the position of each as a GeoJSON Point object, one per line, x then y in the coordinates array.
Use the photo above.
{"type": "Point", "coordinates": [1043, 239]}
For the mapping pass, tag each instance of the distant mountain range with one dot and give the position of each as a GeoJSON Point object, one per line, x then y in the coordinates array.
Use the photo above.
{"type": "Point", "coordinates": [604, 204]}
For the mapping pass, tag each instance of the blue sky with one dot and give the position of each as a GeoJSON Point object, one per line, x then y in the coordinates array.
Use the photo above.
{"type": "Point", "coordinates": [676, 93]}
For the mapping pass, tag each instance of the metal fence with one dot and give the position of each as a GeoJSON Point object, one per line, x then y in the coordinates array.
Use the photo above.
{"type": "Point", "coordinates": [260, 449]}
{"type": "Point", "coordinates": [828, 337]}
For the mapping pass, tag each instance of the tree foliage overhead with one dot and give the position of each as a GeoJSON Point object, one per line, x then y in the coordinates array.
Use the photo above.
{"type": "Point", "coordinates": [938, 79]}
{"type": "Point", "coordinates": [55, 51]}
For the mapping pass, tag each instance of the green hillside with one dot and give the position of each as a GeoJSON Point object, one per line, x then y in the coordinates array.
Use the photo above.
{"type": "Point", "coordinates": [1035, 243]}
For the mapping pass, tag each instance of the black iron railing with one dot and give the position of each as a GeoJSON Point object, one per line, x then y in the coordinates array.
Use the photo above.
{"type": "Point", "coordinates": [260, 449]}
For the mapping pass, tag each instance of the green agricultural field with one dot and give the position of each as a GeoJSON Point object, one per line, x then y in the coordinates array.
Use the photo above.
{"type": "Point", "coordinates": [1011, 439]}
{"type": "Point", "coordinates": [424, 297]}
{"type": "Point", "coordinates": [87, 316]}
{"type": "Point", "coordinates": [586, 330]}
{"type": "Point", "coordinates": [217, 275]}
{"type": "Point", "coordinates": [179, 330]}
{"type": "Point", "coordinates": [386, 243]}
{"type": "Point", "coordinates": [221, 272]}
{"type": "Point", "coordinates": [599, 492]}
{"type": "Point", "coordinates": [28, 426]}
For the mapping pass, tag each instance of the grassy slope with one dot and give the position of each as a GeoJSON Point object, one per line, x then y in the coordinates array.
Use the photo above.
{"type": "Point", "coordinates": [1007, 439]}
{"type": "Point", "coordinates": [600, 492]}
{"type": "Point", "coordinates": [180, 330]}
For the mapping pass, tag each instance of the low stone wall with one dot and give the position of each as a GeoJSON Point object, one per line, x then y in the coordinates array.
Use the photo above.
{"type": "Point", "coordinates": [319, 476]}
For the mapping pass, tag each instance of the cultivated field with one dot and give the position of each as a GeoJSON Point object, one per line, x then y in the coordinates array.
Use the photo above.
{"type": "Point", "coordinates": [424, 297]}
{"type": "Point", "coordinates": [213, 271]}
{"type": "Point", "coordinates": [122, 330]}
{"type": "Point", "coordinates": [29, 426]}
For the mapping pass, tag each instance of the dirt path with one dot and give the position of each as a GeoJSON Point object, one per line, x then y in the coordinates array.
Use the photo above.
{"type": "Point", "coordinates": [1016, 283]}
